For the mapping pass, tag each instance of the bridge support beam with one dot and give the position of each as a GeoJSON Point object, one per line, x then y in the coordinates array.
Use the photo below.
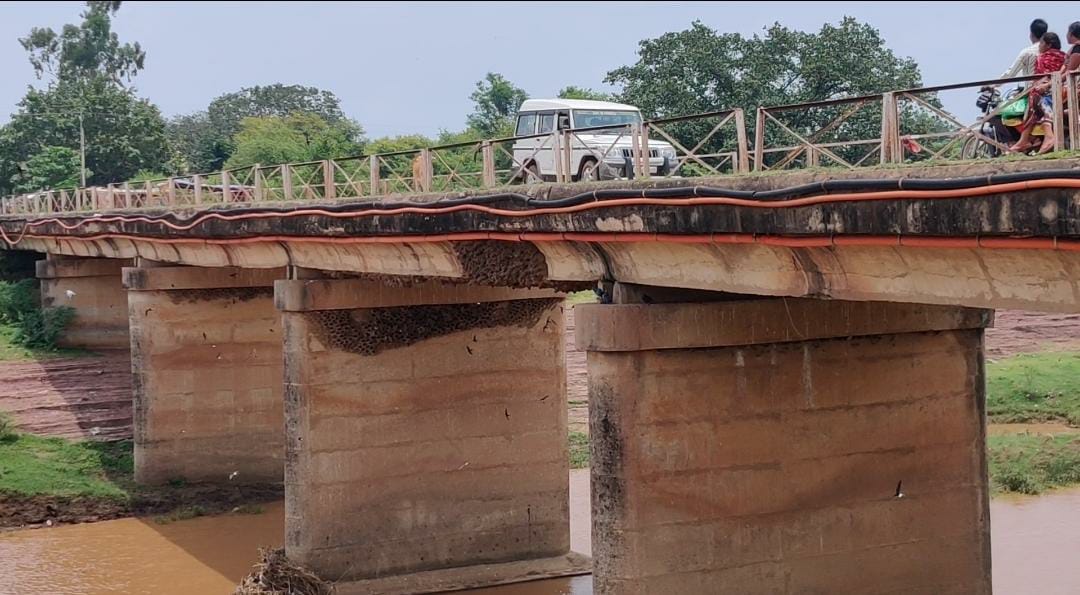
{"type": "Point", "coordinates": [426, 435]}
{"type": "Point", "coordinates": [207, 368]}
{"type": "Point", "coordinates": [92, 287]}
{"type": "Point", "coordinates": [787, 445]}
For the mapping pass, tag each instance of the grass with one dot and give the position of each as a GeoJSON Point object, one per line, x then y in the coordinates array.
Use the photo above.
{"type": "Point", "coordinates": [1032, 464]}
{"type": "Point", "coordinates": [579, 450]}
{"type": "Point", "coordinates": [32, 465]}
{"type": "Point", "coordinates": [10, 351]}
{"type": "Point", "coordinates": [1034, 388]}
{"type": "Point", "coordinates": [581, 297]}
{"type": "Point", "coordinates": [50, 471]}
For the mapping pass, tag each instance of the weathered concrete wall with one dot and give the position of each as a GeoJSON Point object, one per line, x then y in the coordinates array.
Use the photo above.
{"type": "Point", "coordinates": [1044, 279]}
{"type": "Point", "coordinates": [426, 427]}
{"type": "Point", "coordinates": [208, 380]}
{"type": "Point", "coordinates": [92, 287]}
{"type": "Point", "coordinates": [794, 446]}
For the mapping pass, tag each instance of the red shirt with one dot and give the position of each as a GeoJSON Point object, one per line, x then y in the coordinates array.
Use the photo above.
{"type": "Point", "coordinates": [1049, 61]}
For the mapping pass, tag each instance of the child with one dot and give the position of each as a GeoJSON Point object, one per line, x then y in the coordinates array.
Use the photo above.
{"type": "Point", "coordinates": [1040, 102]}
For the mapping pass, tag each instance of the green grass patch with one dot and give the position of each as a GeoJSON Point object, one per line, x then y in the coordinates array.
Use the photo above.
{"type": "Point", "coordinates": [1034, 388]}
{"type": "Point", "coordinates": [32, 465]}
{"type": "Point", "coordinates": [581, 297]}
{"type": "Point", "coordinates": [1032, 464]}
{"type": "Point", "coordinates": [579, 450]}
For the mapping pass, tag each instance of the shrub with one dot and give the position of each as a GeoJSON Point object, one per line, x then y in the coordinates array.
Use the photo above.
{"type": "Point", "coordinates": [18, 299]}
{"type": "Point", "coordinates": [39, 329]}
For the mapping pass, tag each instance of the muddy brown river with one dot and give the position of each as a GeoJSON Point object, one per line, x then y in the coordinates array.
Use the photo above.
{"type": "Point", "coordinates": [1036, 551]}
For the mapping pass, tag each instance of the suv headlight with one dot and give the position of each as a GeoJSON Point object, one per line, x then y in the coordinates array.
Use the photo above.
{"type": "Point", "coordinates": [668, 152]}
{"type": "Point", "coordinates": [617, 154]}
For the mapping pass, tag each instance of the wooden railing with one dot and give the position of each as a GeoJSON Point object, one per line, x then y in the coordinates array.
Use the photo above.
{"type": "Point", "coordinates": [813, 134]}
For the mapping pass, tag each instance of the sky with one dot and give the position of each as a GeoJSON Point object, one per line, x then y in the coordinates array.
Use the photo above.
{"type": "Point", "coordinates": [409, 67]}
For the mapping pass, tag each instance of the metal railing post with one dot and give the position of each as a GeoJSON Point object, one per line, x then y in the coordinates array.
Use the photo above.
{"type": "Point", "coordinates": [759, 140]}
{"type": "Point", "coordinates": [743, 158]}
{"type": "Point", "coordinates": [373, 174]}
{"type": "Point", "coordinates": [426, 170]}
{"type": "Point", "coordinates": [487, 158]}
{"type": "Point", "coordinates": [329, 187]}
{"type": "Point", "coordinates": [1059, 113]}
{"type": "Point", "coordinates": [226, 193]}
{"type": "Point", "coordinates": [286, 183]}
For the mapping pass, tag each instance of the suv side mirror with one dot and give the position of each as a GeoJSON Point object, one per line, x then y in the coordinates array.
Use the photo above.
{"type": "Point", "coordinates": [564, 122]}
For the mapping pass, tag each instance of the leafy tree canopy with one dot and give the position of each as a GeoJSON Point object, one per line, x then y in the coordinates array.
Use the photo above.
{"type": "Point", "coordinates": [124, 134]}
{"type": "Point", "coordinates": [496, 101]}
{"type": "Point", "coordinates": [85, 51]}
{"type": "Point", "coordinates": [573, 92]}
{"type": "Point", "coordinates": [52, 167]}
{"type": "Point", "coordinates": [295, 138]}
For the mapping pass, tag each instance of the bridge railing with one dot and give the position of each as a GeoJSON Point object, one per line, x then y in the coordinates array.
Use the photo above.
{"type": "Point", "coordinates": [952, 139]}
{"type": "Point", "coordinates": [811, 134]}
{"type": "Point", "coordinates": [849, 132]}
{"type": "Point", "coordinates": [706, 144]}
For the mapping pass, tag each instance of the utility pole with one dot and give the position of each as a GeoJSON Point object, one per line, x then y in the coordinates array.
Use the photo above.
{"type": "Point", "coordinates": [82, 153]}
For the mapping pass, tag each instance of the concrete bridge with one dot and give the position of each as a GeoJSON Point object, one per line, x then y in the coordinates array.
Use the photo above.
{"type": "Point", "coordinates": [786, 375]}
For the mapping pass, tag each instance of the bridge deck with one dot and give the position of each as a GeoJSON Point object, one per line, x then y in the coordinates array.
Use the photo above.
{"type": "Point", "coordinates": [902, 238]}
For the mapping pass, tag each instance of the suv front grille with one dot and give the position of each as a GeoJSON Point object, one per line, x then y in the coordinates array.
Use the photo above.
{"type": "Point", "coordinates": [652, 152]}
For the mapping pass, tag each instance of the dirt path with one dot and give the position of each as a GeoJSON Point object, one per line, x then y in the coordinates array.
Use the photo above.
{"type": "Point", "coordinates": [577, 380]}
{"type": "Point", "coordinates": [91, 397]}
{"type": "Point", "coordinates": [85, 397]}
{"type": "Point", "coordinates": [1027, 332]}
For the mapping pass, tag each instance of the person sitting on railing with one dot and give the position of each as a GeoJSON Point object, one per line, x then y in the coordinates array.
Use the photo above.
{"type": "Point", "coordinates": [1025, 61]}
{"type": "Point", "coordinates": [1072, 62]}
{"type": "Point", "coordinates": [1040, 99]}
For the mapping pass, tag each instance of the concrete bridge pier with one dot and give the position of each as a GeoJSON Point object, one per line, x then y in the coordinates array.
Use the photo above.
{"type": "Point", "coordinates": [787, 446]}
{"type": "Point", "coordinates": [92, 287]}
{"type": "Point", "coordinates": [207, 374]}
{"type": "Point", "coordinates": [426, 435]}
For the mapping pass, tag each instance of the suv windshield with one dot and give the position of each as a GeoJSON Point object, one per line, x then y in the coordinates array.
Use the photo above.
{"type": "Point", "coordinates": [591, 118]}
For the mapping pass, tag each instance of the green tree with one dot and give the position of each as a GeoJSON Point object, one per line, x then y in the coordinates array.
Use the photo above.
{"type": "Point", "coordinates": [392, 144]}
{"type": "Point", "coordinates": [496, 101]}
{"type": "Point", "coordinates": [53, 167]}
{"type": "Point", "coordinates": [197, 147]}
{"type": "Point", "coordinates": [85, 51]}
{"type": "Point", "coordinates": [87, 65]}
{"type": "Point", "coordinates": [573, 92]}
{"type": "Point", "coordinates": [124, 134]}
{"type": "Point", "coordinates": [701, 70]}
{"type": "Point", "coordinates": [295, 138]}
{"type": "Point", "coordinates": [203, 141]}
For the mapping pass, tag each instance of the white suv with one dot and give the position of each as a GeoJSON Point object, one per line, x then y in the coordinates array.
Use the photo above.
{"type": "Point", "coordinates": [596, 154]}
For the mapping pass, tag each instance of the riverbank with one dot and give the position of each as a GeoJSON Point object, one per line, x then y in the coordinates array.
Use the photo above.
{"type": "Point", "coordinates": [48, 481]}
{"type": "Point", "coordinates": [1033, 405]}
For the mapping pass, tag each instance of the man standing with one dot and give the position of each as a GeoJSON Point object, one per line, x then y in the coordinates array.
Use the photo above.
{"type": "Point", "coordinates": [1025, 61]}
